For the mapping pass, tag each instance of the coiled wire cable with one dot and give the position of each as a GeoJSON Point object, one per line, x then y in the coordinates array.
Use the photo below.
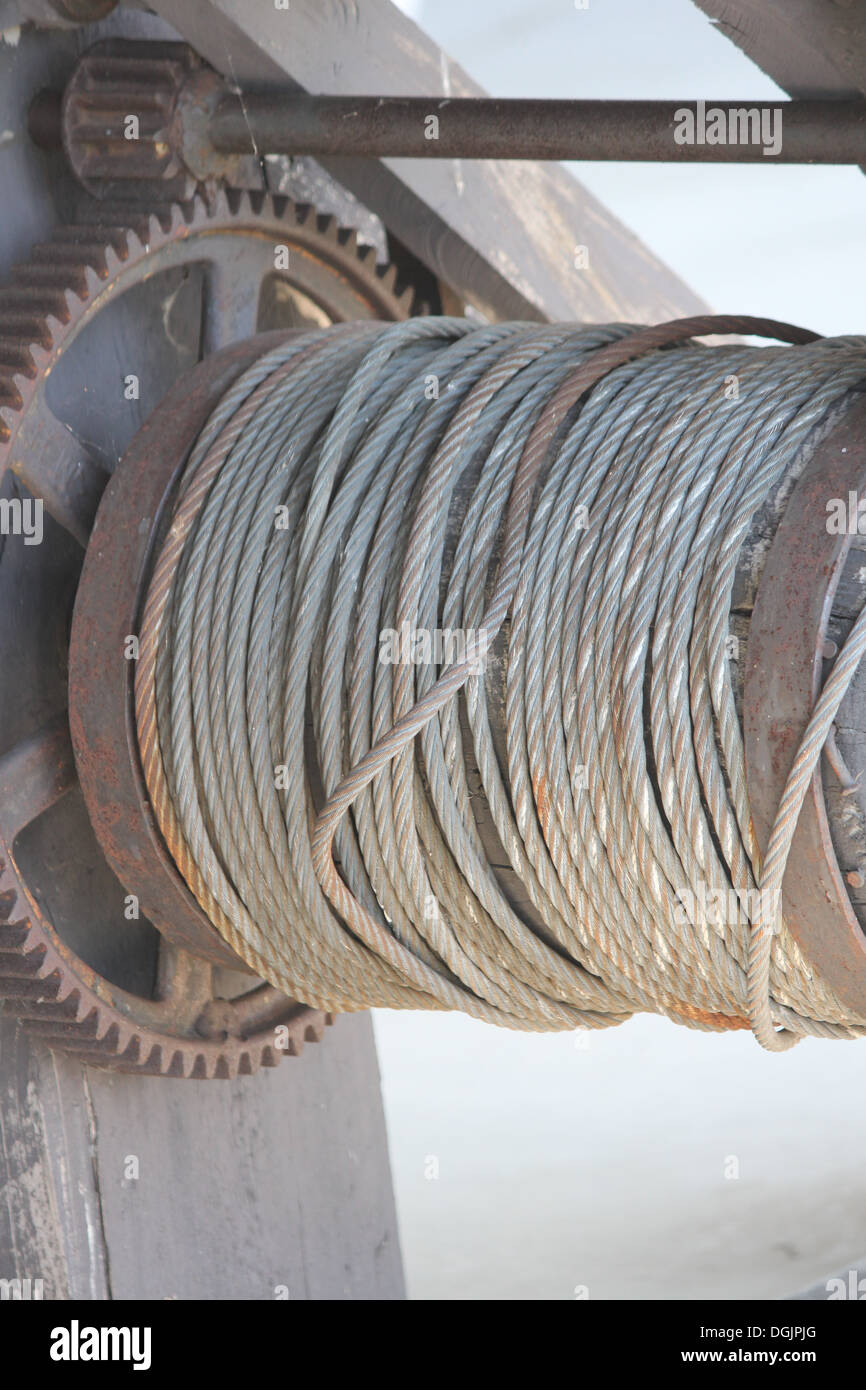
{"type": "Point", "coordinates": [572, 501]}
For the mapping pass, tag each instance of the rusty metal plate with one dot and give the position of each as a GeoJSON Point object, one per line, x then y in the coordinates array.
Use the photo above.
{"type": "Point", "coordinates": [132, 515]}
{"type": "Point", "coordinates": [782, 681]}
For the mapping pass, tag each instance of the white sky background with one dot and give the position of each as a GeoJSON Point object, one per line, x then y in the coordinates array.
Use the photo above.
{"type": "Point", "coordinates": [600, 1159]}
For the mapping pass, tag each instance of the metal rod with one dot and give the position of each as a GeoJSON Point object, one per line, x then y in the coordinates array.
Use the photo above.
{"type": "Point", "coordinates": [792, 132]}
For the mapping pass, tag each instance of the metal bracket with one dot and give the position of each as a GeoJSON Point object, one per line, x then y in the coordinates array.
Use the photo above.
{"type": "Point", "coordinates": [782, 681]}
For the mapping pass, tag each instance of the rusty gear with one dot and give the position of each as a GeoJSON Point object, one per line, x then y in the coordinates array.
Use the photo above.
{"type": "Point", "coordinates": [185, 1029]}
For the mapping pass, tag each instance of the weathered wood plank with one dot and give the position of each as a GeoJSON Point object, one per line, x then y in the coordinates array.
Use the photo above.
{"type": "Point", "coordinates": [812, 48]}
{"type": "Point", "coordinates": [274, 1186]}
{"type": "Point", "coordinates": [126, 1187]}
{"type": "Point", "coordinates": [51, 1228]}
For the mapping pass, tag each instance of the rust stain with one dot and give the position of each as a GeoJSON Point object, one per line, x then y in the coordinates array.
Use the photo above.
{"type": "Point", "coordinates": [541, 796]}
{"type": "Point", "coordinates": [723, 1023]}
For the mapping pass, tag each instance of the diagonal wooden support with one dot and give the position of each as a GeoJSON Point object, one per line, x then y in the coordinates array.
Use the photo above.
{"type": "Point", "coordinates": [516, 241]}
{"type": "Point", "coordinates": [811, 48]}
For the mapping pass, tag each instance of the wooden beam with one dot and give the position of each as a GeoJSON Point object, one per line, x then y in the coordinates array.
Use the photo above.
{"type": "Point", "coordinates": [505, 237]}
{"type": "Point", "coordinates": [269, 1187]}
{"type": "Point", "coordinates": [812, 48]}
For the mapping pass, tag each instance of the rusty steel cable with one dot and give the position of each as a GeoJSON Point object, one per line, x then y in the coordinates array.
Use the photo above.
{"type": "Point", "coordinates": [571, 503]}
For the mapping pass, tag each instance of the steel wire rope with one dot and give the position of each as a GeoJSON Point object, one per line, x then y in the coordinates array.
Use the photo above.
{"type": "Point", "coordinates": [571, 503]}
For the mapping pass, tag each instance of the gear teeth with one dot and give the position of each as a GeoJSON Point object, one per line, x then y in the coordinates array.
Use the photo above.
{"type": "Point", "coordinates": [21, 382]}
{"type": "Point", "coordinates": [71, 256]}
{"type": "Point", "coordinates": [8, 899]}
{"type": "Point", "coordinates": [113, 78]}
{"type": "Point", "coordinates": [24, 990]}
{"type": "Point", "coordinates": [90, 1046]}
{"type": "Point", "coordinates": [64, 280]}
{"type": "Point", "coordinates": [93, 227]}
{"type": "Point", "coordinates": [223, 202]}
{"type": "Point", "coordinates": [10, 395]}
{"type": "Point", "coordinates": [29, 324]}
{"type": "Point", "coordinates": [113, 262]}
{"type": "Point", "coordinates": [161, 223]}
{"type": "Point", "coordinates": [33, 300]}
{"type": "Point", "coordinates": [85, 1030]}
{"type": "Point", "coordinates": [39, 332]}
{"type": "Point", "coordinates": [93, 281]}
{"type": "Point", "coordinates": [256, 201]}
{"type": "Point", "coordinates": [314, 1032]}
{"type": "Point", "coordinates": [388, 276]}
{"type": "Point", "coordinates": [235, 200]}
{"type": "Point", "coordinates": [49, 1011]}
{"type": "Point", "coordinates": [326, 225]}
{"type": "Point", "coordinates": [181, 216]}
{"type": "Point", "coordinates": [21, 965]}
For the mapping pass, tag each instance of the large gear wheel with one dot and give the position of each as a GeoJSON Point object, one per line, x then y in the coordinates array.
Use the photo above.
{"type": "Point", "coordinates": [108, 315]}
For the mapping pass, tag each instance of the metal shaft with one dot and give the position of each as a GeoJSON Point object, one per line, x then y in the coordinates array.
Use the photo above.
{"type": "Point", "coordinates": [792, 132]}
